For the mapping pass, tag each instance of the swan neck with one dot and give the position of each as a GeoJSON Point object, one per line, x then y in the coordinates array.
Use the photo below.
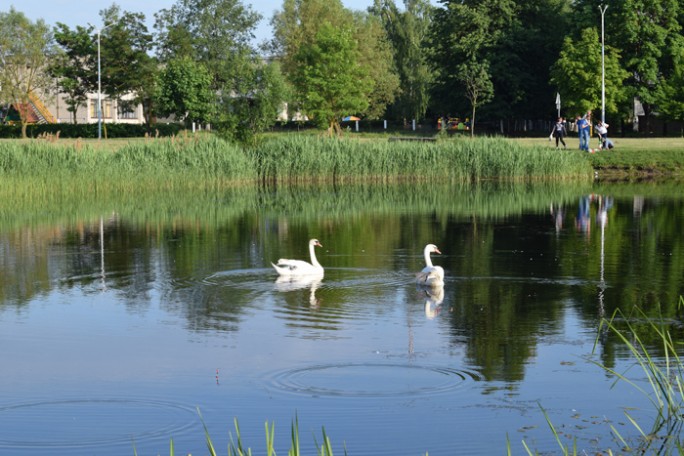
{"type": "Point", "coordinates": [428, 261]}
{"type": "Point", "coordinates": [312, 252]}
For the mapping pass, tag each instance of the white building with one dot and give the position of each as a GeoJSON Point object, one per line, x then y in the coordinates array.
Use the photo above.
{"type": "Point", "coordinates": [112, 111]}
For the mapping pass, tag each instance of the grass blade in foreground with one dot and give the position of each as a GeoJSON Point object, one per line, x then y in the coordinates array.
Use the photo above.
{"type": "Point", "coordinates": [665, 378]}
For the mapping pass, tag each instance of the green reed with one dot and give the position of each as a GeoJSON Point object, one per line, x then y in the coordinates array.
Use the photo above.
{"type": "Point", "coordinates": [664, 385]}
{"type": "Point", "coordinates": [664, 375]}
{"type": "Point", "coordinates": [310, 158]}
{"type": "Point", "coordinates": [199, 155]}
{"type": "Point", "coordinates": [297, 158]}
{"type": "Point", "coordinates": [236, 447]}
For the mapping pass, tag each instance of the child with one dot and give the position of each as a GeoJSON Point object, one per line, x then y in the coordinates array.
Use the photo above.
{"type": "Point", "coordinates": [559, 132]}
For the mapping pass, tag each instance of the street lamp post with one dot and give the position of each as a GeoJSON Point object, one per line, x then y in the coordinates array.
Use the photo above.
{"type": "Point", "coordinates": [99, 89]}
{"type": "Point", "coordinates": [99, 85]}
{"type": "Point", "coordinates": [603, 9]}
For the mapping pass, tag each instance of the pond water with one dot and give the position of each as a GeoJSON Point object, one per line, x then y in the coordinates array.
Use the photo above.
{"type": "Point", "coordinates": [122, 318]}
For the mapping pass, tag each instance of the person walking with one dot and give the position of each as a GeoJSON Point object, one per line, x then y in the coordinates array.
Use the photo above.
{"type": "Point", "coordinates": [559, 132]}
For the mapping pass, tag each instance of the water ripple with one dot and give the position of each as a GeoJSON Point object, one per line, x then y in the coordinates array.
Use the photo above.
{"type": "Point", "coordinates": [372, 380]}
{"type": "Point", "coordinates": [90, 422]}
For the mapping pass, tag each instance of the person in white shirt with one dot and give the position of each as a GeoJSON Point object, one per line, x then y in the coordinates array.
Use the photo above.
{"type": "Point", "coordinates": [602, 132]}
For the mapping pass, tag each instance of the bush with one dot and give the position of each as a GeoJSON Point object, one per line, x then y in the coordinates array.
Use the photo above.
{"type": "Point", "coordinates": [67, 130]}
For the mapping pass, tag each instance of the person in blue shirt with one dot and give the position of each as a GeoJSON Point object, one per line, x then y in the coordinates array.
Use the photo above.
{"type": "Point", "coordinates": [583, 132]}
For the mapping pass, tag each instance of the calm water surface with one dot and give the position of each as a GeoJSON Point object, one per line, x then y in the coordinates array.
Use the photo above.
{"type": "Point", "coordinates": [116, 329]}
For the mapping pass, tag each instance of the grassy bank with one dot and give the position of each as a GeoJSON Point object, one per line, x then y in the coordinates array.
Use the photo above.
{"type": "Point", "coordinates": [296, 158]}
{"type": "Point", "coordinates": [630, 157]}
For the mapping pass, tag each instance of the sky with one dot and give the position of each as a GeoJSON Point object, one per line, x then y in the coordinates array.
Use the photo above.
{"type": "Point", "coordinates": [82, 12]}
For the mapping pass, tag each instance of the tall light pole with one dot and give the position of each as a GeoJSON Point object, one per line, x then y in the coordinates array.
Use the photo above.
{"type": "Point", "coordinates": [99, 89]}
{"type": "Point", "coordinates": [99, 84]}
{"type": "Point", "coordinates": [603, 64]}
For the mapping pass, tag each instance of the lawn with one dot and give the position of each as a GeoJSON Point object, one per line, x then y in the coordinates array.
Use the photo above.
{"type": "Point", "coordinates": [621, 144]}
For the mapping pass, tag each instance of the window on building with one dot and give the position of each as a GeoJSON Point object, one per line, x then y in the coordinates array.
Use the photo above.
{"type": "Point", "coordinates": [126, 110]}
{"type": "Point", "coordinates": [106, 108]}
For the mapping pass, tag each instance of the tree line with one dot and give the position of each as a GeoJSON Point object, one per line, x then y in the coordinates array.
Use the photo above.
{"type": "Point", "coordinates": [484, 59]}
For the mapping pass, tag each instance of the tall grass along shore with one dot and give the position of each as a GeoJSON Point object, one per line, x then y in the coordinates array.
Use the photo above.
{"type": "Point", "coordinates": [297, 159]}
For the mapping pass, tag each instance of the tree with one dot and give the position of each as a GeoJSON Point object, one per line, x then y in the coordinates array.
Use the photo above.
{"type": "Point", "coordinates": [26, 49]}
{"type": "Point", "coordinates": [407, 32]}
{"type": "Point", "coordinates": [75, 68]}
{"type": "Point", "coordinates": [127, 67]}
{"type": "Point", "coordinates": [478, 86]}
{"type": "Point", "coordinates": [217, 34]}
{"type": "Point", "coordinates": [330, 82]}
{"type": "Point", "coordinates": [376, 57]}
{"type": "Point", "coordinates": [255, 101]}
{"type": "Point", "coordinates": [185, 91]}
{"type": "Point", "coordinates": [298, 23]}
{"type": "Point", "coordinates": [577, 74]}
{"type": "Point", "coordinates": [671, 103]}
{"type": "Point", "coordinates": [519, 41]}
{"type": "Point", "coordinates": [647, 34]}
{"type": "Point", "coordinates": [466, 32]}
{"type": "Point", "coordinates": [297, 26]}
{"type": "Point", "coordinates": [213, 32]}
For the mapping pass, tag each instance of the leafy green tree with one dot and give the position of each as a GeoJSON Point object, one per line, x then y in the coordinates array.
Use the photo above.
{"type": "Point", "coordinates": [75, 68]}
{"type": "Point", "coordinates": [521, 59]}
{"type": "Point", "coordinates": [478, 86]}
{"type": "Point", "coordinates": [577, 74]}
{"type": "Point", "coordinates": [185, 91]}
{"type": "Point", "coordinates": [407, 32]}
{"type": "Point", "coordinates": [466, 31]}
{"type": "Point", "coordinates": [671, 103]}
{"type": "Point", "coordinates": [254, 102]}
{"type": "Point", "coordinates": [519, 41]}
{"type": "Point", "coordinates": [26, 49]}
{"type": "Point", "coordinates": [298, 23]}
{"type": "Point", "coordinates": [214, 32]}
{"type": "Point", "coordinates": [297, 26]}
{"type": "Point", "coordinates": [330, 82]}
{"type": "Point", "coordinates": [648, 35]}
{"type": "Point", "coordinates": [376, 57]}
{"type": "Point", "coordinates": [217, 34]}
{"type": "Point", "coordinates": [127, 67]}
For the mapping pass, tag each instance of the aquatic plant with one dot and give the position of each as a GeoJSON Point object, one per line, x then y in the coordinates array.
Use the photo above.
{"type": "Point", "coordinates": [297, 158]}
{"type": "Point", "coordinates": [665, 379]}
{"type": "Point", "coordinates": [198, 155]}
{"type": "Point", "coordinates": [664, 375]}
{"type": "Point", "coordinates": [237, 448]}
{"type": "Point", "coordinates": [308, 158]}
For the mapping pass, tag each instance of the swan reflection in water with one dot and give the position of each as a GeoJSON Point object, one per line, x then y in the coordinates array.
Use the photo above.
{"type": "Point", "coordinates": [433, 300]}
{"type": "Point", "coordinates": [292, 283]}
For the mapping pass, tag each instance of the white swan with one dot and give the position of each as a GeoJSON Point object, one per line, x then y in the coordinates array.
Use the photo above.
{"type": "Point", "coordinates": [291, 268]}
{"type": "Point", "coordinates": [431, 276]}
